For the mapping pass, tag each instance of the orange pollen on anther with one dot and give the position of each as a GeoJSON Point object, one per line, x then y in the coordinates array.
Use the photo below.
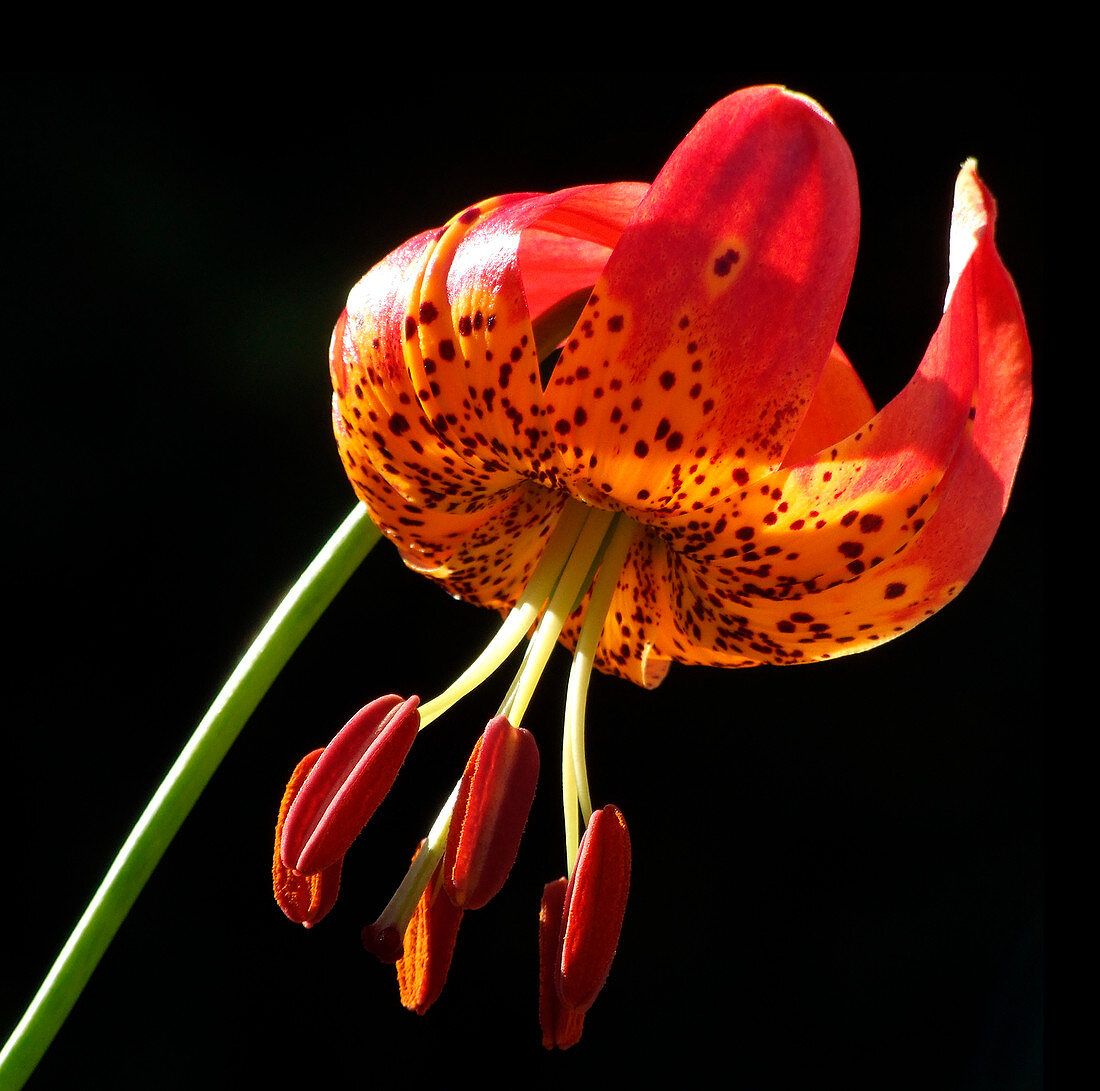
{"type": "Point", "coordinates": [305, 899]}
{"type": "Point", "coordinates": [428, 945]}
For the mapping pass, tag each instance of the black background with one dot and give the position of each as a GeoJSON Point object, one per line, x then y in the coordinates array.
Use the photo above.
{"type": "Point", "coordinates": [838, 868]}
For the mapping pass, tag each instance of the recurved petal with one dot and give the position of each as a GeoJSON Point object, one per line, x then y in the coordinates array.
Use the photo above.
{"type": "Point", "coordinates": [421, 493]}
{"type": "Point", "coordinates": [706, 335]}
{"type": "Point", "coordinates": [438, 396]}
{"type": "Point", "coordinates": [832, 516]}
{"type": "Point", "coordinates": [840, 406]}
{"type": "Point", "coordinates": [491, 291]}
{"type": "Point", "coordinates": [378, 416]}
{"type": "Point", "coordinates": [733, 609]}
{"type": "Point", "coordinates": [975, 490]}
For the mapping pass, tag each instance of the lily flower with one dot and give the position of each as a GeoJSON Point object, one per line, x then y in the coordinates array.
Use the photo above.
{"type": "Point", "coordinates": [617, 415]}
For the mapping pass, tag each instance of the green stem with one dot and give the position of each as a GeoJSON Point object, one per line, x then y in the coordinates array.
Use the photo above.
{"type": "Point", "coordinates": [180, 790]}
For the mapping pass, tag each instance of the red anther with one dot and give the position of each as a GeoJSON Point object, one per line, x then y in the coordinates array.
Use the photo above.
{"type": "Point", "coordinates": [305, 899]}
{"type": "Point", "coordinates": [490, 813]}
{"type": "Point", "coordinates": [352, 777]}
{"type": "Point", "coordinates": [594, 907]}
{"type": "Point", "coordinates": [561, 1026]}
{"type": "Point", "coordinates": [429, 943]}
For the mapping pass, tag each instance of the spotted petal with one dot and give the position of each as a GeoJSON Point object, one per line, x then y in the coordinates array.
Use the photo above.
{"type": "Point", "coordinates": [438, 405]}
{"type": "Point", "coordinates": [707, 333]}
{"type": "Point", "coordinates": [958, 427]}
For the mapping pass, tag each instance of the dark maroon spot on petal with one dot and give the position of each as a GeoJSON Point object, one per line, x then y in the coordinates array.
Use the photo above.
{"type": "Point", "coordinates": [579, 416]}
{"type": "Point", "coordinates": [641, 448]}
{"type": "Point", "coordinates": [741, 476]}
{"type": "Point", "coordinates": [667, 380]}
{"type": "Point", "coordinates": [469, 215]}
{"type": "Point", "coordinates": [851, 549]}
{"type": "Point", "coordinates": [848, 519]}
{"type": "Point", "coordinates": [894, 590]}
{"type": "Point", "coordinates": [410, 327]}
{"type": "Point", "coordinates": [663, 429]}
{"type": "Point", "coordinates": [615, 323]}
{"type": "Point", "coordinates": [674, 442]}
{"type": "Point", "coordinates": [870, 523]}
{"type": "Point", "coordinates": [428, 313]}
{"type": "Point", "coordinates": [447, 349]}
{"type": "Point", "coordinates": [726, 262]}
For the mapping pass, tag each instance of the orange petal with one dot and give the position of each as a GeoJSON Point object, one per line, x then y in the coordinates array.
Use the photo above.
{"type": "Point", "coordinates": [305, 899]}
{"type": "Point", "coordinates": [839, 407]}
{"type": "Point", "coordinates": [706, 335]}
{"type": "Point", "coordinates": [500, 266]}
{"type": "Point", "coordinates": [497, 789]}
{"type": "Point", "coordinates": [917, 551]}
{"type": "Point", "coordinates": [438, 398]}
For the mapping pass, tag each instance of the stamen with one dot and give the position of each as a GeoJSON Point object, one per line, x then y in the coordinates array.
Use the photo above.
{"type": "Point", "coordinates": [561, 605]}
{"type": "Point", "coordinates": [574, 772]}
{"type": "Point", "coordinates": [523, 615]}
{"type": "Point", "coordinates": [384, 937]}
{"type": "Point", "coordinates": [498, 787]}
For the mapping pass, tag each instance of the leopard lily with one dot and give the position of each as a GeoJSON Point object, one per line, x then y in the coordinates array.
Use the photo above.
{"type": "Point", "coordinates": [617, 414]}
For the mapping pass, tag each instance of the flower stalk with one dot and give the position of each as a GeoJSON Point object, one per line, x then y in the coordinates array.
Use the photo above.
{"type": "Point", "coordinates": [180, 790]}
